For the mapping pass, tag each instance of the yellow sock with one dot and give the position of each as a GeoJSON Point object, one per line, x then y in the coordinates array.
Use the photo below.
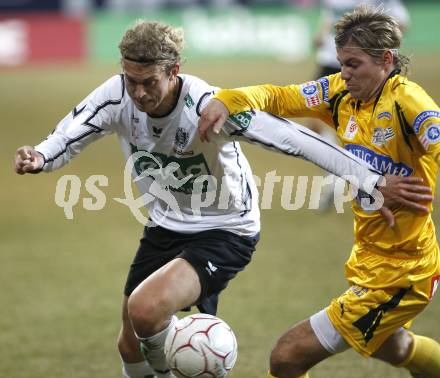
{"type": "Point", "coordinates": [306, 375]}
{"type": "Point", "coordinates": [424, 358]}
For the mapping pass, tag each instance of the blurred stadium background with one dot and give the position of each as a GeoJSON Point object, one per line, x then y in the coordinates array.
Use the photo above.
{"type": "Point", "coordinates": [61, 280]}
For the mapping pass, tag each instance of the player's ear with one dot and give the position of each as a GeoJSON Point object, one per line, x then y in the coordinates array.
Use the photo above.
{"type": "Point", "coordinates": [388, 57]}
{"type": "Point", "coordinates": [174, 71]}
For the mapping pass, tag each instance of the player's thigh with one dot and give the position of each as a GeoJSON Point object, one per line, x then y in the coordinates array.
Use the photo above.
{"type": "Point", "coordinates": [215, 255]}
{"type": "Point", "coordinates": [169, 289]}
{"type": "Point", "coordinates": [298, 346]}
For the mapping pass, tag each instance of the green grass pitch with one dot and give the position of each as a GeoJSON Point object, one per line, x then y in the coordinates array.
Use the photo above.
{"type": "Point", "coordinates": [61, 280]}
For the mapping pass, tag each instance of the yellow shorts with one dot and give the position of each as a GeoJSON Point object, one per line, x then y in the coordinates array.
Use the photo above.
{"type": "Point", "coordinates": [386, 294]}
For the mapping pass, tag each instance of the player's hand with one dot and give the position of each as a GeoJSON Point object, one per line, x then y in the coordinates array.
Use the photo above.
{"type": "Point", "coordinates": [213, 116]}
{"type": "Point", "coordinates": [404, 191]}
{"type": "Point", "coordinates": [27, 160]}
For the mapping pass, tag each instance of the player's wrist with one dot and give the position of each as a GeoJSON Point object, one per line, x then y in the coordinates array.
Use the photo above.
{"type": "Point", "coordinates": [41, 159]}
{"type": "Point", "coordinates": [381, 181]}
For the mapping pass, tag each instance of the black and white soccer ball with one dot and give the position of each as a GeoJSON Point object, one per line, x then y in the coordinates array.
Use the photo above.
{"type": "Point", "coordinates": [202, 346]}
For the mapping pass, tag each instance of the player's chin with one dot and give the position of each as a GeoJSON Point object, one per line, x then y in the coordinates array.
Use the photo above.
{"type": "Point", "coordinates": [147, 107]}
{"type": "Point", "coordinates": [356, 93]}
{"type": "Point", "coordinates": [141, 107]}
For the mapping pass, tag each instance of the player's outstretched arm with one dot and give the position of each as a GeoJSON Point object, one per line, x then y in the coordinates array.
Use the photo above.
{"type": "Point", "coordinates": [213, 116]}
{"type": "Point", "coordinates": [404, 191]}
{"type": "Point", "coordinates": [28, 160]}
{"type": "Point", "coordinates": [295, 140]}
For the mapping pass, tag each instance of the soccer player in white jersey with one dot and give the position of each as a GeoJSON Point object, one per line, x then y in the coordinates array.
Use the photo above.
{"type": "Point", "coordinates": [185, 257]}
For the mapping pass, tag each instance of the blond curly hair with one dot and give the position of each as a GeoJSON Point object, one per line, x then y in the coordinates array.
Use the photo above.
{"type": "Point", "coordinates": [152, 43]}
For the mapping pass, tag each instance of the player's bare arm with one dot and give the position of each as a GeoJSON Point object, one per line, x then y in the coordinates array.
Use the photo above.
{"type": "Point", "coordinates": [213, 116]}
{"type": "Point", "coordinates": [28, 160]}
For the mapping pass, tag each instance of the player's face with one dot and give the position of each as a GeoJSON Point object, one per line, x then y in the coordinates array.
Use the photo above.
{"type": "Point", "coordinates": [363, 74]}
{"type": "Point", "coordinates": [152, 90]}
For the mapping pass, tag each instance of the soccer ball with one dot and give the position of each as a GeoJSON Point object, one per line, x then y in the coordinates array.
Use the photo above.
{"type": "Point", "coordinates": [202, 346]}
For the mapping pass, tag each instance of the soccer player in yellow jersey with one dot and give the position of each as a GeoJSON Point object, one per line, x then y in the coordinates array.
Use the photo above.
{"type": "Point", "coordinates": [393, 272]}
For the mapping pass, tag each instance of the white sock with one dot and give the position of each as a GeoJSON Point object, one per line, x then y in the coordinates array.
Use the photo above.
{"type": "Point", "coordinates": [137, 370]}
{"type": "Point", "coordinates": [153, 349]}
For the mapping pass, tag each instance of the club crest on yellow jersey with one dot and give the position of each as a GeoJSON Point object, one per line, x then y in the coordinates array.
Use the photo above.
{"type": "Point", "coordinates": [382, 135]}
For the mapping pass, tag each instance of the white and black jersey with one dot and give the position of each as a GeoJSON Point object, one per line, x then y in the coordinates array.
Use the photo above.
{"type": "Point", "coordinates": [166, 146]}
{"type": "Point", "coordinates": [192, 186]}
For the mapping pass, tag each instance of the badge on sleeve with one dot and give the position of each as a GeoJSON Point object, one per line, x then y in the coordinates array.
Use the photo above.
{"type": "Point", "coordinates": [422, 117]}
{"type": "Point", "coordinates": [310, 92]}
{"type": "Point", "coordinates": [432, 135]}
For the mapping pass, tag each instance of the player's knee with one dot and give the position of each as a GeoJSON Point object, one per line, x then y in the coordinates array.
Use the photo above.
{"type": "Point", "coordinates": [396, 348]}
{"type": "Point", "coordinates": [126, 347]}
{"type": "Point", "coordinates": [278, 363]}
{"type": "Point", "coordinates": [284, 362]}
{"type": "Point", "coordinates": [145, 315]}
{"type": "Point", "coordinates": [402, 349]}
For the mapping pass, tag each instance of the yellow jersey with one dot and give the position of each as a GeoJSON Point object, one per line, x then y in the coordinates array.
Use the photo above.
{"type": "Point", "coordinates": [398, 133]}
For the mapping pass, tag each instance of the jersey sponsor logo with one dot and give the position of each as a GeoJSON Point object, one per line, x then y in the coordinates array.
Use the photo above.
{"type": "Point", "coordinates": [242, 120]}
{"type": "Point", "coordinates": [162, 181]}
{"type": "Point", "coordinates": [380, 162]}
{"type": "Point", "coordinates": [189, 102]}
{"type": "Point", "coordinates": [325, 86]}
{"type": "Point", "coordinates": [432, 135]}
{"type": "Point", "coordinates": [382, 135]}
{"type": "Point", "coordinates": [193, 166]}
{"type": "Point", "coordinates": [422, 117]}
{"type": "Point", "coordinates": [310, 92]}
{"type": "Point", "coordinates": [351, 128]}
{"type": "Point", "coordinates": [386, 115]}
